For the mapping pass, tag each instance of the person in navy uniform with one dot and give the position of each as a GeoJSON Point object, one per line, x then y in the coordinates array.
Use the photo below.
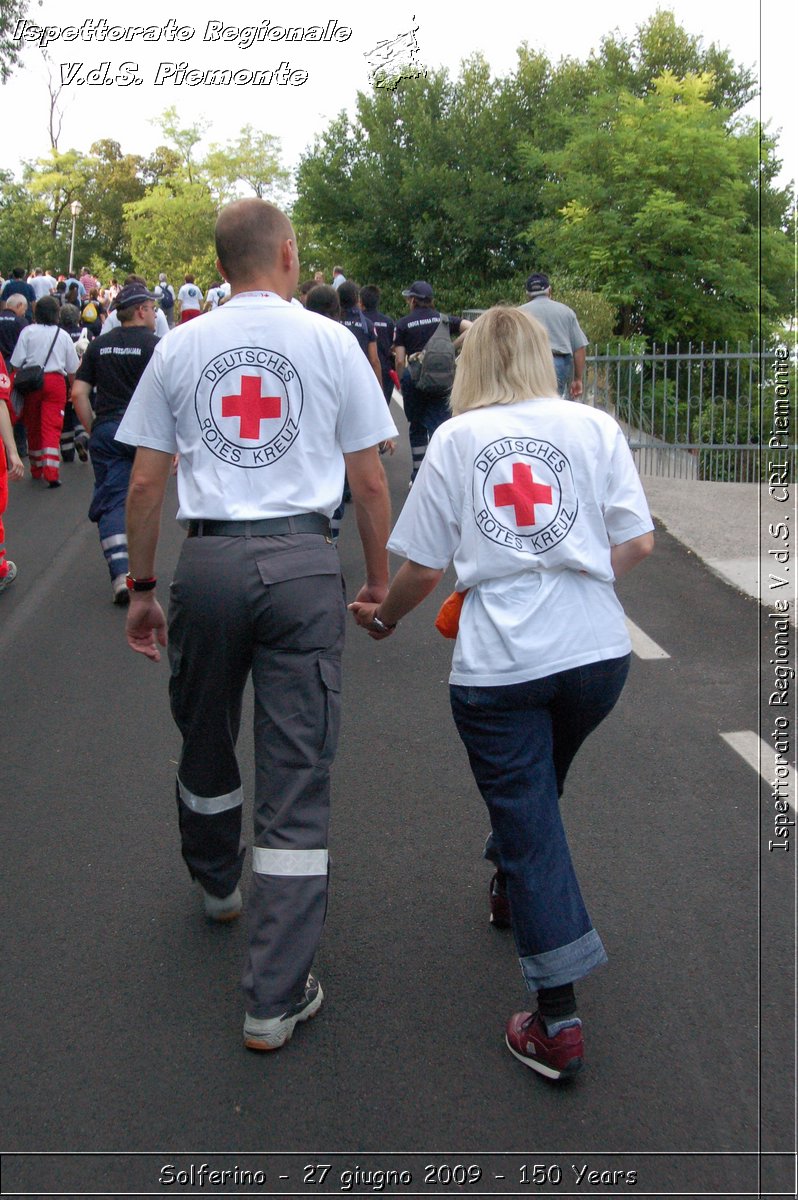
{"type": "Point", "coordinates": [411, 335]}
{"type": "Point", "coordinates": [383, 328]}
{"type": "Point", "coordinates": [109, 372]}
{"type": "Point", "coordinates": [17, 285]}
{"type": "Point", "coordinates": [353, 319]}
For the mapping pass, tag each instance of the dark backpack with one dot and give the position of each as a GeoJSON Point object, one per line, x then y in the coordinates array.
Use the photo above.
{"type": "Point", "coordinates": [166, 299]}
{"type": "Point", "coordinates": [436, 376]}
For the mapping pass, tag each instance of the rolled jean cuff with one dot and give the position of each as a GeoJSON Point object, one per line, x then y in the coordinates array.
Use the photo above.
{"type": "Point", "coordinates": [565, 964]}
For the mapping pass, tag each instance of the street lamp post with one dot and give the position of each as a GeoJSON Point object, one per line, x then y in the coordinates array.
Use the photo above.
{"type": "Point", "coordinates": [75, 208]}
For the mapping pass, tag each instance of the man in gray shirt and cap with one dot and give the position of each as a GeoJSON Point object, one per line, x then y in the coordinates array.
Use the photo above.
{"type": "Point", "coordinates": [566, 336]}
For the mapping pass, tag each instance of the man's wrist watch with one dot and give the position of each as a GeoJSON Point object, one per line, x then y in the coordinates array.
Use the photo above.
{"type": "Point", "coordinates": [140, 585]}
{"type": "Point", "coordinates": [382, 626]}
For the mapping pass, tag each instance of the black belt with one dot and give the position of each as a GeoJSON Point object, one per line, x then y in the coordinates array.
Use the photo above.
{"type": "Point", "coordinates": [269, 527]}
{"type": "Point", "coordinates": [562, 354]}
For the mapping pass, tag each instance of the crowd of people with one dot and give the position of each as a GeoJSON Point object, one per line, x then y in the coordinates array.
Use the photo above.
{"type": "Point", "coordinates": [271, 409]}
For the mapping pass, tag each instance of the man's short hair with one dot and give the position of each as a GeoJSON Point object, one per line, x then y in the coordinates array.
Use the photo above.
{"type": "Point", "coordinates": [348, 294]}
{"type": "Point", "coordinates": [338, 270]}
{"type": "Point", "coordinates": [16, 301]}
{"type": "Point", "coordinates": [18, 273]}
{"type": "Point", "coordinates": [370, 297]}
{"type": "Point", "coordinates": [249, 234]}
{"type": "Point", "coordinates": [324, 299]}
{"type": "Point", "coordinates": [47, 310]}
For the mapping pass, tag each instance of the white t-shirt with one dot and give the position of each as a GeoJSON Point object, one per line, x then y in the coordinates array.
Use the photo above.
{"type": "Point", "coordinates": [216, 295]}
{"type": "Point", "coordinates": [261, 400]}
{"type": "Point", "coordinates": [34, 343]}
{"type": "Point", "coordinates": [42, 285]}
{"type": "Point", "coordinates": [527, 500]}
{"type": "Point", "coordinates": [161, 324]}
{"type": "Point", "coordinates": [190, 297]}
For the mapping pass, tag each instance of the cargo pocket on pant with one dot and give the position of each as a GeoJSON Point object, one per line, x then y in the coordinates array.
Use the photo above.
{"type": "Point", "coordinates": [330, 672]}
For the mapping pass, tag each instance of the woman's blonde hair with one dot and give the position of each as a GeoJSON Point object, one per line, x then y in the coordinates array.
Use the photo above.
{"type": "Point", "coordinates": [506, 357]}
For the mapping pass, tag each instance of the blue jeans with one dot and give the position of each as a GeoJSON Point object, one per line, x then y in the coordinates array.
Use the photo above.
{"type": "Point", "coordinates": [564, 370]}
{"type": "Point", "coordinates": [521, 739]}
{"type": "Point", "coordinates": [112, 462]}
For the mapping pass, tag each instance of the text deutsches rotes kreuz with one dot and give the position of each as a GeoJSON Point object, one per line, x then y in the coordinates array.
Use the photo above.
{"type": "Point", "coordinates": [249, 403]}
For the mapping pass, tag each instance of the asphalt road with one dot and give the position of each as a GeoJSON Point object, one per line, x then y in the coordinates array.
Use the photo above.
{"type": "Point", "coordinates": [121, 1004]}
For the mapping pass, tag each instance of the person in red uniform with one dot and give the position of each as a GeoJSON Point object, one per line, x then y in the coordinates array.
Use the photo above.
{"type": "Point", "coordinates": [45, 344]}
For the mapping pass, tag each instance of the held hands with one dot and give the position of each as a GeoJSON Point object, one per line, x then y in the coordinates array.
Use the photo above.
{"type": "Point", "coordinates": [364, 617]}
{"type": "Point", "coordinates": [146, 625]}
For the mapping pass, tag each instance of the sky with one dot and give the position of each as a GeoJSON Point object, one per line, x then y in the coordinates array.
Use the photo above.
{"type": "Point", "coordinates": [759, 35]}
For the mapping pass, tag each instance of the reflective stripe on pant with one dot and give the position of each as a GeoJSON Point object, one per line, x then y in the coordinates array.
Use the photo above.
{"type": "Point", "coordinates": [112, 463]}
{"type": "Point", "coordinates": [44, 416]}
{"type": "Point", "coordinates": [273, 606]}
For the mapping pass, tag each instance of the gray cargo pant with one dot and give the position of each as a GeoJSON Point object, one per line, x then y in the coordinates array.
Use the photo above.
{"type": "Point", "coordinates": [273, 606]}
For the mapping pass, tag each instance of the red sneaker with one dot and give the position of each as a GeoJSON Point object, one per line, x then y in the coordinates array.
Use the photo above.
{"type": "Point", "coordinates": [558, 1057]}
{"type": "Point", "coordinates": [499, 904]}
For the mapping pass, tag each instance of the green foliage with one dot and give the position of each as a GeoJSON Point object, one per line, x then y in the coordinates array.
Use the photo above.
{"type": "Point", "coordinates": [652, 199]}
{"type": "Point", "coordinates": [626, 176]}
{"type": "Point", "coordinates": [11, 11]}
{"type": "Point", "coordinates": [425, 183]}
{"type": "Point", "coordinates": [144, 214]}
{"type": "Point", "coordinates": [171, 229]}
{"type": "Point", "coordinates": [254, 160]}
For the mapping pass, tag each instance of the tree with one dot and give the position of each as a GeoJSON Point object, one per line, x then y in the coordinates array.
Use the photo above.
{"type": "Point", "coordinates": [254, 160]}
{"type": "Point", "coordinates": [651, 203]}
{"type": "Point", "coordinates": [426, 182]}
{"type": "Point", "coordinates": [24, 235]}
{"type": "Point", "coordinates": [184, 140]}
{"type": "Point", "coordinates": [11, 11]}
{"type": "Point", "coordinates": [171, 229]}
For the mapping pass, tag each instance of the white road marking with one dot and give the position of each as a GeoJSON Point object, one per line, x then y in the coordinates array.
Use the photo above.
{"type": "Point", "coordinates": [760, 755]}
{"type": "Point", "coordinates": [642, 644]}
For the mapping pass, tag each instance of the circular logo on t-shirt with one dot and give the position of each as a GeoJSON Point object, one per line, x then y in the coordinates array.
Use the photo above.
{"type": "Point", "coordinates": [249, 403]}
{"type": "Point", "coordinates": [524, 494]}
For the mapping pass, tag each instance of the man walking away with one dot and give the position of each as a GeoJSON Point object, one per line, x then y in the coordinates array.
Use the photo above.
{"type": "Point", "coordinates": [266, 405]}
{"type": "Point", "coordinates": [113, 365]}
{"type": "Point", "coordinates": [425, 408]}
{"type": "Point", "coordinates": [383, 327]}
{"type": "Point", "coordinates": [566, 336]}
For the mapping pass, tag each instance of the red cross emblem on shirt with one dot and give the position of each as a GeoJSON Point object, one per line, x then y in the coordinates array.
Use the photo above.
{"type": "Point", "coordinates": [523, 494]}
{"type": "Point", "coordinates": [250, 407]}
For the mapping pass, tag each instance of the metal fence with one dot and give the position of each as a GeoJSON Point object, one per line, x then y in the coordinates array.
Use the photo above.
{"type": "Point", "coordinates": [703, 412]}
{"type": "Point", "coordinates": [694, 412]}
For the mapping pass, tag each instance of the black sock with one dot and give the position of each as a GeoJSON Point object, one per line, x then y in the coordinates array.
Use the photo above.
{"type": "Point", "coordinates": [557, 1004]}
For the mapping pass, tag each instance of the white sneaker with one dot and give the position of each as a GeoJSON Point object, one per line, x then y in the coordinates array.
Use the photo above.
{"type": "Point", "coordinates": [273, 1032]}
{"type": "Point", "coordinates": [222, 908]}
{"type": "Point", "coordinates": [120, 590]}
